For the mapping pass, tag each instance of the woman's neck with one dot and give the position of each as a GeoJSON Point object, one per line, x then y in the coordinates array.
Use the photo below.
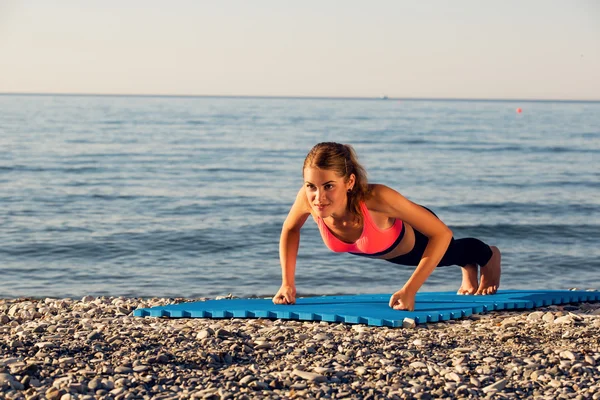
{"type": "Point", "coordinates": [345, 219]}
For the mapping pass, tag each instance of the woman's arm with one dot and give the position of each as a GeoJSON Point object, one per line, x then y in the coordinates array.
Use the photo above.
{"type": "Point", "coordinates": [289, 242]}
{"type": "Point", "coordinates": [393, 204]}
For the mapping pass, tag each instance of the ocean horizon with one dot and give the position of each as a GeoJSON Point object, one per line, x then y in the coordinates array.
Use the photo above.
{"type": "Point", "coordinates": [301, 97]}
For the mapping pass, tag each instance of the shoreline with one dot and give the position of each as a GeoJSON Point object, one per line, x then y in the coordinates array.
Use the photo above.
{"type": "Point", "coordinates": [93, 348]}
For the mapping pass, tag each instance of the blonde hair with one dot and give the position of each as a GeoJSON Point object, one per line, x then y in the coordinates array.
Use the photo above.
{"type": "Point", "coordinates": [342, 159]}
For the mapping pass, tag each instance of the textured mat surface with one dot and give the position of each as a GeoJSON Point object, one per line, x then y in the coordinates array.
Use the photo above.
{"type": "Point", "coordinates": [371, 309]}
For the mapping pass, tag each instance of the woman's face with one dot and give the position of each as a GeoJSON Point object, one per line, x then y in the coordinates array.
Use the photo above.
{"type": "Point", "coordinates": [326, 192]}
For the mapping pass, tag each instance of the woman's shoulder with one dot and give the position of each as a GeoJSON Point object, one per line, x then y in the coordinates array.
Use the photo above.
{"type": "Point", "coordinates": [379, 197]}
{"type": "Point", "coordinates": [298, 213]}
{"type": "Point", "coordinates": [301, 202]}
{"type": "Point", "coordinates": [377, 190]}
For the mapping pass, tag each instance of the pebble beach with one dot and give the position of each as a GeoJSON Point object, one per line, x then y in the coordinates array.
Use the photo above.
{"type": "Point", "coordinates": [94, 348]}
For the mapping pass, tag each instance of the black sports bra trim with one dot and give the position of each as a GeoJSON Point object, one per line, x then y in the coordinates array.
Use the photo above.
{"type": "Point", "coordinates": [384, 252]}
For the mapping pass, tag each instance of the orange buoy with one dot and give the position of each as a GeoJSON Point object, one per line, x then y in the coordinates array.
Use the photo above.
{"type": "Point", "coordinates": [519, 111]}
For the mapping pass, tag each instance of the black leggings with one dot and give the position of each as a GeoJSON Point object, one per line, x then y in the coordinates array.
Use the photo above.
{"type": "Point", "coordinates": [460, 251]}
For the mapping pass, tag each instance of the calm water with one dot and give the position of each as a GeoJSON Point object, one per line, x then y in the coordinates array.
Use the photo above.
{"type": "Point", "coordinates": [166, 196]}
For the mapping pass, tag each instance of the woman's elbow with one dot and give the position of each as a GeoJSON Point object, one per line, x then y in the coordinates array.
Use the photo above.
{"type": "Point", "coordinates": [445, 235]}
{"type": "Point", "coordinates": [449, 234]}
{"type": "Point", "coordinates": [287, 230]}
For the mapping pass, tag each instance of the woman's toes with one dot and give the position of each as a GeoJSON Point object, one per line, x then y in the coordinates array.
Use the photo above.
{"type": "Point", "coordinates": [463, 291]}
{"type": "Point", "coordinates": [487, 290]}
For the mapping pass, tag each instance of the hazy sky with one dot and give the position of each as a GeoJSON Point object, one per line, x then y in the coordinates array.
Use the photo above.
{"type": "Point", "coordinates": [543, 49]}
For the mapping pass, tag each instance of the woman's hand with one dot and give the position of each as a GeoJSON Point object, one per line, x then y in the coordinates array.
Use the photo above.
{"type": "Point", "coordinates": [403, 300]}
{"type": "Point", "coordinates": [285, 295]}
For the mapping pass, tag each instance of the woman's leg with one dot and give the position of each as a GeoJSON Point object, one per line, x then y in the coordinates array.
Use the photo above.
{"type": "Point", "coordinates": [470, 279]}
{"type": "Point", "coordinates": [490, 273]}
{"type": "Point", "coordinates": [469, 253]}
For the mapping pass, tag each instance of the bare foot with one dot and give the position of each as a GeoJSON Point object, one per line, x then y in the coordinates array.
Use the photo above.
{"type": "Point", "coordinates": [469, 281]}
{"type": "Point", "coordinates": [490, 274]}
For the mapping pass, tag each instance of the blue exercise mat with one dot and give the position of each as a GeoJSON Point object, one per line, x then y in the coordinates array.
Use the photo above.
{"type": "Point", "coordinates": [371, 309]}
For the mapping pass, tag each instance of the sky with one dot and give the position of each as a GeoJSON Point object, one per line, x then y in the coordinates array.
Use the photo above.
{"type": "Point", "coordinates": [535, 49]}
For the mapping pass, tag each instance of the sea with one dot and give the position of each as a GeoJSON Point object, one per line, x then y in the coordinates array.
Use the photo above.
{"type": "Point", "coordinates": [166, 196]}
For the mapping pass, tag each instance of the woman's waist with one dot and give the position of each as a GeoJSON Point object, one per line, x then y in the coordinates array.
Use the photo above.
{"type": "Point", "coordinates": [402, 246]}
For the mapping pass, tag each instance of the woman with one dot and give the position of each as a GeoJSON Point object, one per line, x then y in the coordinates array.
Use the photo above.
{"type": "Point", "coordinates": [375, 221]}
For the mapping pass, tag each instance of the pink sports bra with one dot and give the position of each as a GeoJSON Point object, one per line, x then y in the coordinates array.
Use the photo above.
{"type": "Point", "coordinates": [372, 240]}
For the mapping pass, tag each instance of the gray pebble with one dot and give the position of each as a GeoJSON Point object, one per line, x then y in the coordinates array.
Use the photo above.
{"type": "Point", "coordinates": [496, 386]}
{"type": "Point", "coordinates": [6, 378]}
{"type": "Point", "coordinates": [94, 335]}
{"type": "Point", "coordinates": [310, 376]}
